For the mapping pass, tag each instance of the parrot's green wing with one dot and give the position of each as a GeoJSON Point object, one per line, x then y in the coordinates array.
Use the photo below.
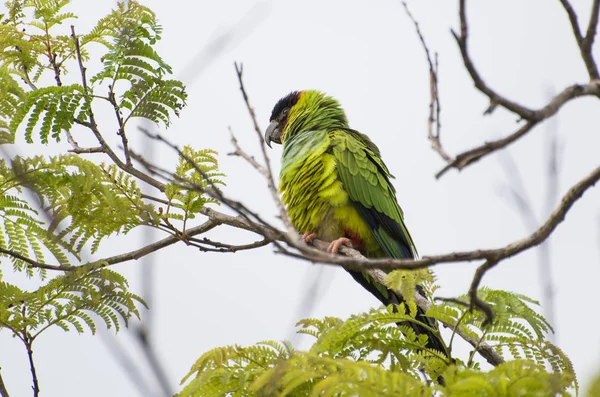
{"type": "Point", "coordinates": [366, 179]}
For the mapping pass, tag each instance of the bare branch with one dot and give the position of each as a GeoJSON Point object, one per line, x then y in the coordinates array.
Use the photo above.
{"type": "Point", "coordinates": [434, 104]}
{"type": "Point", "coordinates": [56, 69]}
{"type": "Point", "coordinates": [531, 116]}
{"type": "Point", "coordinates": [132, 255]}
{"type": "Point", "coordinates": [241, 153]}
{"type": "Point", "coordinates": [534, 239]}
{"type": "Point", "coordinates": [223, 247]}
{"type": "Point", "coordinates": [585, 43]}
{"type": "Point", "coordinates": [79, 150]}
{"type": "Point", "coordinates": [212, 191]}
{"type": "Point", "coordinates": [140, 253]}
{"type": "Point", "coordinates": [27, 340]}
{"type": "Point", "coordinates": [475, 302]}
{"type": "Point", "coordinates": [121, 131]}
{"type": "Point", "coordinates": [468, 157]}
{"type": "Point", "coordinates": [33, 263]}
{"type": "Point", "coordinates": [354, 260]}
{"type": "Point", "coordinates": [495, 98]}
{"type": "Point", "coordinates": [239, 69]}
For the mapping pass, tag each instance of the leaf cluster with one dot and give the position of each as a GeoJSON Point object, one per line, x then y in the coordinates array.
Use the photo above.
{"type": "Point", "coordinates": [370, 355]}
{"type": "Point", "coordinates": [69, 301]}
{"type": "Point", "coordinates": [196, 171]}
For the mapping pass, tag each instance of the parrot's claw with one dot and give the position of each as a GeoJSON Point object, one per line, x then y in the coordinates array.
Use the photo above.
{"type": "Point", "coordinates": [308, 237]}
{"type": "Point", "coordinates": [335, 245]}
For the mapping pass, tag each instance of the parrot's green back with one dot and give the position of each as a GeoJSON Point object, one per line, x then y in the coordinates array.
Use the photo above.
{"type": "Point", "coordinates": [335, 184]}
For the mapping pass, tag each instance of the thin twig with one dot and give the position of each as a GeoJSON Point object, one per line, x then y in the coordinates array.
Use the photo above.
{"type": "Point", "coordinates": [452, 300]}
{"type": "Point", "coordinates": [241, 153]}
{"type": "Point", "coordinates": [121, 131]}
{"type": "Point", "coordinates": [78, 149]}
{"type": "Point", "coordinates": [239, 69]}
{"type": "Point", "coordinates": [33, 263]}
{"type": "Point", "coordinates": [531, 116]}
{"type": "Point", "coordinates": [475, 301]}
{"type": "Point", "coordinates": [434, 123]}
{"type": "Point", "coordinates": [224, 247]}
{"type": "Point", "coordinates": [585, 43]}
{"type": "Point", "coordinates": [27, 340]}
{"type": "Point", "coordinates": [56, 69]}
{"type": "Point", "coordinates": [213, 191]}
{"type": "Point", "coordinates": [495, 98]}
{"type": "Point", "coordinates": [468, 157]}
{"type": "Point", "coordinates": [93, 126]}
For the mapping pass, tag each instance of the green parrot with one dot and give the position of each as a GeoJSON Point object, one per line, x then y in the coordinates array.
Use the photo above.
{"type": "Point", "coordinates": [337, 188]}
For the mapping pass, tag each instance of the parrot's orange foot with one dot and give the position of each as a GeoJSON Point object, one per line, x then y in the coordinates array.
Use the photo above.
{"type": "Point", "coordinates": [335, 245]}
{"type": "Point", "coordinates": [308, 237]}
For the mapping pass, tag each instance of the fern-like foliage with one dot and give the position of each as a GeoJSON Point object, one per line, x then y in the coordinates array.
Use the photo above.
{"type": "Point", "coordinates": [21, 232]}
{"type": "Point", "coordinates": [24, 41]}
{"type": "Point", "coordinates": [406, 282]}
{"type": "Point", "coordinates": [364, 355]}
{"type": "Point", "coordinates": [88, 202]}
{"type": "Point", "coordinates": [68, 301]}
{"type": "Point", "coordinates": [28, 48]}
{"type": "Point", "coordinates": [512, 378]}
{"type": "Point", "coordinates": [57, 108]}
{"type": "Point", "coordinates": [369, 355]}
{"type": "Point", "coordinates": [200, 169]}
{"type": "Point", "coordinates": [517, 331]}
{"type": "Point", "coordinates": [11, 96]}
{"type": "Point", "coordinates": [131, 58]}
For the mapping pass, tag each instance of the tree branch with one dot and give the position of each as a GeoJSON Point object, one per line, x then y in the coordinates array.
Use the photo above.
{"type": "Point", "coordinates": [353, 260]}
{"type": "Point", "coordinates": [532, 117]}
{"type": "Point", "coordinates": [224, 247]}
{"type": "Point", "coordinates": [33, 263]}
{"type": "Point", "coordinates": [434, 104]}
{"type": "Point", "coordinates": [239, 69]}
{"type": "Point", "coordinates": [585, 43]}
{"type": "Point", "coordinates": [93, 126]}
{"type": "Point", "coordinates": [239, 152]}
{"type": "Point", "coordinates": [495, 98]}
{"type": "Point", "coordinates": [79, 150]}
{"type": "Point", "coordinates": [468, 157]}
{"type": "Point", "coordinates": [27, 340]}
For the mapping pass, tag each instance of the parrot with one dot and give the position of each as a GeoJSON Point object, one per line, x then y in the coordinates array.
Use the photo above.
{"type": "Point", "coordinates": [336, 188]}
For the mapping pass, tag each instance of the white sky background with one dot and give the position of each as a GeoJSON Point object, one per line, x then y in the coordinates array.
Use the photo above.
{"type": "Point", "coordinates": [368, 56]}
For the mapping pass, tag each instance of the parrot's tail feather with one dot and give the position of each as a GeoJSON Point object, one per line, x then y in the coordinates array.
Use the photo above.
{"type": "Point", "coordinates": [389, 297]}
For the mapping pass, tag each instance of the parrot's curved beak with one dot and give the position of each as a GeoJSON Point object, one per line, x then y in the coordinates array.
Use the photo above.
{"type": "Point", "coordinates": [272, 134]}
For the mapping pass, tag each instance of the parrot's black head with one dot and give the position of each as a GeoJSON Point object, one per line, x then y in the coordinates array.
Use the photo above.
{"type": "Point", "coordinates": [299, 111]}
{"type": "Point", "coordinates": [279, 117]}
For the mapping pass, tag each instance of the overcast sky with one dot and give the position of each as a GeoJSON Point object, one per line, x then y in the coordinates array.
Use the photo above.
{"type": "Point", "coordinates": [366, 54]}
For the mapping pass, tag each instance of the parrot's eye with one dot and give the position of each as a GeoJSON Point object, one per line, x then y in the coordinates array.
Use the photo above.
{"type": "Point", "coordinates": [285, 111]}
